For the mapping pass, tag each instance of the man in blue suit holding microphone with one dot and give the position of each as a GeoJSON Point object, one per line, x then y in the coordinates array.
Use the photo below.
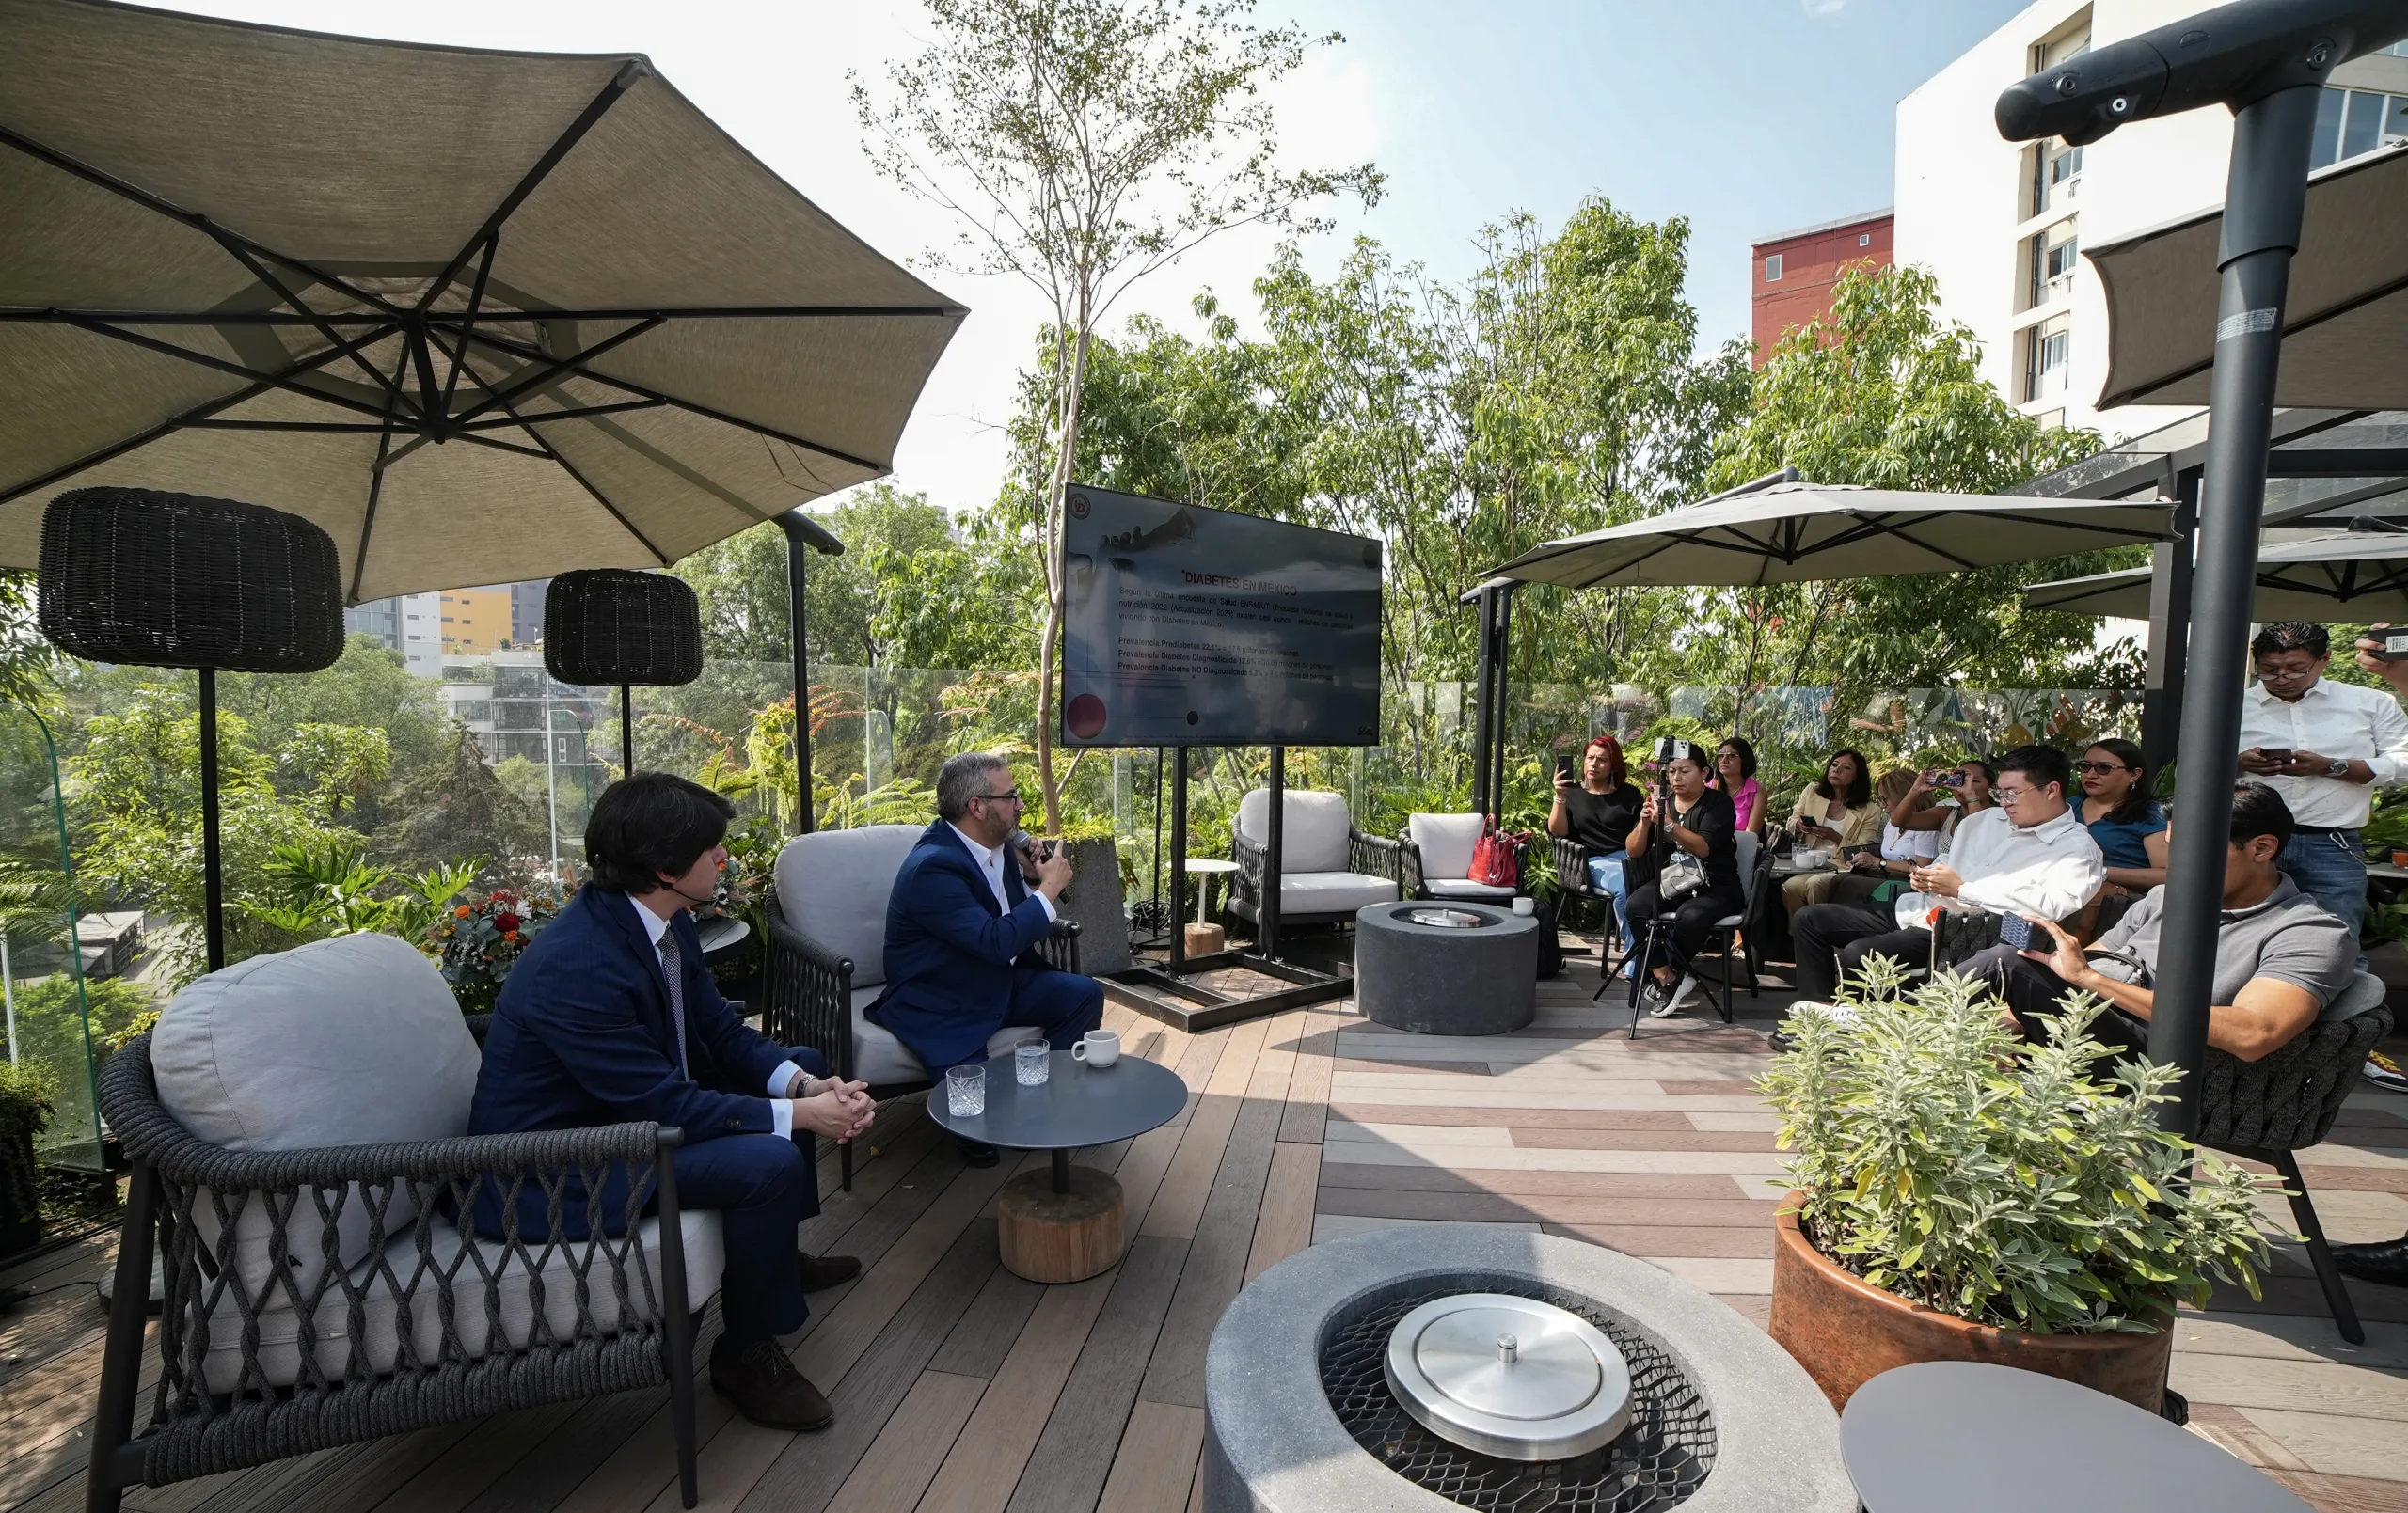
{"type": "Point", "coordinates": [970, 905]}
{"type": "Point", "coordinates": [611, 1016]}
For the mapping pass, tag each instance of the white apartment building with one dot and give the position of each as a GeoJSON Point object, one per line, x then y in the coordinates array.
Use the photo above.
{"type": "Point", "coordinates": [2002, 224]}
{"type": "Point", "coordinates": [410, 624]}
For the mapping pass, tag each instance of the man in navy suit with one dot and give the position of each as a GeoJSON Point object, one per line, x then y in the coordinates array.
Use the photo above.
{"type": "Point", "coordinates": [610, 1016]}
{"type": "Point", "coordinates": [962, 930]}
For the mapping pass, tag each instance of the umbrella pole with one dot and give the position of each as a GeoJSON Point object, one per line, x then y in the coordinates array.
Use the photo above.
{"type": "Point", "coordinates": [627, 728]}
{"type": "Point", "coordinates": [1483, 720]}
{"type": "Point", "coordinates": [2171, 577]}
{"type": "Point", "coordinates": [2263, 201]}
{"type": "Point", "coordinates": [213, 861]}
{"type": "Point", "coordinates": [1499, 724]}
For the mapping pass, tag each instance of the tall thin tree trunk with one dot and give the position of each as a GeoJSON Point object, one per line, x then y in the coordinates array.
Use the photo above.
{"type": "Point", "coordinates": [1065, 462]}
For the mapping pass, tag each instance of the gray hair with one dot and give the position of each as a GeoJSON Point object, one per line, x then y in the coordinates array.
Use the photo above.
{"type": "Point", "coordinates": [962, 778]}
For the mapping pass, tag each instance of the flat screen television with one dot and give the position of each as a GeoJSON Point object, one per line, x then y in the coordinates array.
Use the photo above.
{"type": "Point", "coordinates": [1189, 626]}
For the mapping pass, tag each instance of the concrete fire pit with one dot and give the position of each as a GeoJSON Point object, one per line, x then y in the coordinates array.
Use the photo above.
{"type": "Point", "coordinates": [1722, 1421]}
{"type": "Point", "coordinates": [1444, 966]}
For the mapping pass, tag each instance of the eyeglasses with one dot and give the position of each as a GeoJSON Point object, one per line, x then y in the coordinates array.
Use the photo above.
{"type": "Point", "coordinates": [2267, 674]}
{"type": "Point", "coordinates": [2012, 797]}
{"type": "Point", "coordinates": [1011, 797]}
{"type": "Point", "coordinates": [2102, 767]}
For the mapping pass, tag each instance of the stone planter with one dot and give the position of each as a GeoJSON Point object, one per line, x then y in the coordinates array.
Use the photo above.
{"type": "Point", "coordinates": [1094, 900]}
{"type": "Point", "coordinates": [1845, 1331]}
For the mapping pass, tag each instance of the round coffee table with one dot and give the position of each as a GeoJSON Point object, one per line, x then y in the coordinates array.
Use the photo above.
{"type": "Point", "coordinates": [1929, 1439]}
{"type": "Point", "coordinates": [1065, 1224]}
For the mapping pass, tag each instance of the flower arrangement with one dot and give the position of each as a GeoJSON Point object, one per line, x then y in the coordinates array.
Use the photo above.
{"type": "Point", "coordinates": [1942, 1159]}
{"type": "Point", "coordinates": [479, 942]}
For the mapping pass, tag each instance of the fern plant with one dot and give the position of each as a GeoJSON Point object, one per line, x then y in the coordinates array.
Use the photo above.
{"type": "Point", "coordinates": [1941, 1158]}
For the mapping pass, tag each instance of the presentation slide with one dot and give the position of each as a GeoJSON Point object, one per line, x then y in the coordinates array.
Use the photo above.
{"type": "Point", "coordinates": [1188, 626]}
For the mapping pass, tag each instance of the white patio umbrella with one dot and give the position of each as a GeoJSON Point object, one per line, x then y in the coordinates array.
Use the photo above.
{"type": "Point", "coordinates": [1794, 532]}
{"type": "Point", "coordinates": [2345, 322]}
{"type": "Point", "coordinates": [2363, 573]}
{"type": "Point", "coordinates": [483, 316]}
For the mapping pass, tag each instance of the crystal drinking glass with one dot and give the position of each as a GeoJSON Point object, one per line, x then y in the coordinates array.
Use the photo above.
{"type": "Point", "coordinates": [965, 1091]}
{"type": "Point", "coordinates": [1033, 1063]}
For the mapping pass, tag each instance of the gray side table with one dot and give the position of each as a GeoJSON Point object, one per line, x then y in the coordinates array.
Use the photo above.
{"type": "Point", "coordinates": [1959, 1437]}
{"type": "Point", "coordinates": [1444, 966]}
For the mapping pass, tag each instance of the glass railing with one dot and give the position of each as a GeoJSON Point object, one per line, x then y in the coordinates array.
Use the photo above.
{"type": "Point", "coordinates": [48, 946]}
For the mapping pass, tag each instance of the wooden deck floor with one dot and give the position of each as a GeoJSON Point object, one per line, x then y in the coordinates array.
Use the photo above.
{"type": "Point", "coordinates": [961, 1389]}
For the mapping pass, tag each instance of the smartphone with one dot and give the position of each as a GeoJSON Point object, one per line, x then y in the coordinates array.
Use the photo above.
{"type": "Point", "coordinates": [1566, 763]}
{"type": "Point", "coordinates": [2395, 644]}
{"type": "Point", "coordinates": [2015, 930]}
{"type": "Point", "coordinates": [1951, 778]}
{"type": "Point", "coordinates": [2276, 753]}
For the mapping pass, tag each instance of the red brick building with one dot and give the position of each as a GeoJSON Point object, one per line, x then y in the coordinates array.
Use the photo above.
{"type": "Point", "coordinates": [1794, 273]}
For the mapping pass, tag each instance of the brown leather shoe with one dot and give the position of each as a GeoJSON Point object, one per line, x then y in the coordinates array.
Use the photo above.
{"type": "Point", "coordinates": [820, 1272]}
{"type": "Point", "coordinates": [767, 1389]}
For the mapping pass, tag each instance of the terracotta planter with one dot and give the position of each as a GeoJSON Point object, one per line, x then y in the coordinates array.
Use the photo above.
{"type": "Point", "coordinates": [1845, 1331]}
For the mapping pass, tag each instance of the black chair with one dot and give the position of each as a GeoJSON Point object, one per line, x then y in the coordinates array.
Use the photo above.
{"type": "Point", "coordinates": [1755, 862]}
{"type": "Point", "coordinates": [1572, 881]}
{"type": "Point", "coordinates": [2285, 1102]}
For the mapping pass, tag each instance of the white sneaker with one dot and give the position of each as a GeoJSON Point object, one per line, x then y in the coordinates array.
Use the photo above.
{"type": "Point", "coordinates": [1837, 1013]}
{"type": "Point", "coordinates": [1678, 998]}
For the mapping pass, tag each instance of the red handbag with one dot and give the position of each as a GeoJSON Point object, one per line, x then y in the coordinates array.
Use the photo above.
{"type": "Point", "coordinates": [1492, 860]}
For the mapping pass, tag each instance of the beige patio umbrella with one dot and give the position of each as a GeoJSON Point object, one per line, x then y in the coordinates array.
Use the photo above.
{"type": "Point", "coordinates": [483, 316]}
{"type": "Point", "coordinates": [2345, 323]}
{"type": "Point", "coordinates": [1794, 532]}
{"type": "Point", "coordinates": [2362, 574]}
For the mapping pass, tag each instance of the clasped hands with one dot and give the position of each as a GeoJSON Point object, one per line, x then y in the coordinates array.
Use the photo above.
{"type": "Point", "coordinates": [832, 1106]}
{"type": "Point", "coordinates": [1939, 881]}
{"type": "Point", "coordinates": [2297, 764]}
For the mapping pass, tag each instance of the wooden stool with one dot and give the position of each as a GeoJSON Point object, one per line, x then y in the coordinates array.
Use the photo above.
{"type": "Point", "coordinates": [1048, 1235]}
{"type": "Point", "coordinates": [1204, 939]}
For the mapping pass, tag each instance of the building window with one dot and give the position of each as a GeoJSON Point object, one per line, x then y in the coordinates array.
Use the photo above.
{"type": "Point", "coordinates": [2350, 122]}
{"type": "Point", "coordinates": [2057, 176]}
{"type": "Point", "coordinates": [2048, 354]}
{"type": "Point", "coordinates": [1772, 269]}
{"type": "Point", "coordinates": [1865, 238]}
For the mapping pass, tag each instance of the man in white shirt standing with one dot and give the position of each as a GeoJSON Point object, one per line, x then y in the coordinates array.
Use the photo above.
{"type": "Point", "coordinates": [2028, 854]}
{"type": "Point", "coordinates": [2325, 746]}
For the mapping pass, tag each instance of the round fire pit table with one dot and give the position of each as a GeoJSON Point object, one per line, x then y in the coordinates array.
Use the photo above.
{"type": "Point", "coordinates": [1443, 967]}
{"type": "Point", "coordinates": [1064, 1224]}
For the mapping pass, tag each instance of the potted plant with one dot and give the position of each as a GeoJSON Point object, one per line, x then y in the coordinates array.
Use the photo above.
{"type": "Point", "coordinates": [26, 1102]}
{"type": "Point", "coordinates": [1095, 897]}
{"type": "Point", "coordinates": [1959, 1194]}
{"type": "Point", "coordinates": [478, 943]}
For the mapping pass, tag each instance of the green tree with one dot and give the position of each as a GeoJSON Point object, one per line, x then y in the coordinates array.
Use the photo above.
{"type": "Point", "coordinates": [1082, 146]}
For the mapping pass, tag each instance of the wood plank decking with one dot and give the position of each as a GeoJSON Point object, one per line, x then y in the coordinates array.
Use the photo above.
{"type": "Point", "coordinates": [962, 1388]}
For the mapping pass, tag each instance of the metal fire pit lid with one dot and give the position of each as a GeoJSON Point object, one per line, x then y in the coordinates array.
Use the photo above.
{"type": "Point", "coordinates": [1447, 918]}
{"type": "Point", "coordinates": [1509, 1376]}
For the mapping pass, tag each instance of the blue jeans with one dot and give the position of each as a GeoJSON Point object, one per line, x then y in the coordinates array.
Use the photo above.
{"type": "Point", "coordinates": [1608, 875]}
{"type": "Point", "coordinates": [2329, 868]}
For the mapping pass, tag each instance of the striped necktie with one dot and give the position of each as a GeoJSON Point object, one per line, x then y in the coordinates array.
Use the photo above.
{"type": "Point", "coordinates": [670, 956]}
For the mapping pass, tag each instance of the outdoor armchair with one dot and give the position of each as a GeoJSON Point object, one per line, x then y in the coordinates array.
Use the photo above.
{"type": "Point", "coordinates": [320, 1293]}
{"type": "Point", "coordinates": [1437, 858]}
{"type": "Point", "coordinates": [2286, 1101]}
{"type": "Point", "coordinates": [1329, 868]}
{"type": "Point", "coordinates": [827, 958]}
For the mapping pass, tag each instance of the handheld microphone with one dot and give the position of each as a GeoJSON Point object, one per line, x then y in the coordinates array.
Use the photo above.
{"type": "Point", "coordinates": [1030, 846]}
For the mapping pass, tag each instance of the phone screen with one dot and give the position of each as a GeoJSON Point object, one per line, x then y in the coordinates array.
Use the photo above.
{"type": "Point", "coordinates": [2276, 753]}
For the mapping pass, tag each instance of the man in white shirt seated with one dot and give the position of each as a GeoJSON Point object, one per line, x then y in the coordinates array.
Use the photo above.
{"type": "Point", "coordinates": [2325, 746]}
{"type": "Point", "coordinates": [2028, 854]}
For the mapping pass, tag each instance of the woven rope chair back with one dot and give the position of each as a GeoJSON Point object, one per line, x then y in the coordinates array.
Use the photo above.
{"type": "Point", "coordinates": [153, 580]}
{"type": "Point", "coordinates": [608, 625]}
{"type": "Point", "coordinates": [2287, 1100]}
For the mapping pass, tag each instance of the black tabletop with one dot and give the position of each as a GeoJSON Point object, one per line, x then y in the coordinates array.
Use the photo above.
{"type": "Point", "coordinates": [1954, 1437]}
{"type": "Point", "coordinates": [1074, 1108]}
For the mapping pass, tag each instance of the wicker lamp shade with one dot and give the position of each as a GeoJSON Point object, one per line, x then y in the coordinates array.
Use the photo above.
{"type": "Point", "coordinates": [607, 624]}
{"type": "Point", "coordinates": [156, 579]}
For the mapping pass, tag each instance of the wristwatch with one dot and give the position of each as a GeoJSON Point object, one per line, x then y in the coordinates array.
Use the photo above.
{"type": "Point", "coordinates": [2337, 767]}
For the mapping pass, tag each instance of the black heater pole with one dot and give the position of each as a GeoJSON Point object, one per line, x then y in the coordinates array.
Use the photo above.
{"type": "Point", "coordinates": [212, 859]}
{"type": "Point", "coordinates": [627, 730]}
{"type": "Point", "coordinates": [1178, 858]}
{"type": "Point", "coordinates": [2261, 219]}
{"type": "Point", "coordinates": [1502, 721]}
{"type": "Point", "coordinates": [1482, 721]}
{"type": "Point", "coordinates": [803, 535]}
{"type": "Point", "coordinates": [1274, 841]}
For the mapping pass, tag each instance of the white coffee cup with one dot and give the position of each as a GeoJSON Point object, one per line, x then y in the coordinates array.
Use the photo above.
{"type": "Point", "coordinates": [1525, 905]}
{"type": "Point", "coordinates": [1099, 1048]}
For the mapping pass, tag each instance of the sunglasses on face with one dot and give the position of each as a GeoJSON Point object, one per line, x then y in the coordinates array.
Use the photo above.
{"type": "Point", "coordinates": [2101, 768]}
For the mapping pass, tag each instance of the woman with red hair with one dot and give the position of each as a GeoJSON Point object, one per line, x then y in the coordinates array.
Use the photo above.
{"type": "Point", "coordinates": [1599, 808]}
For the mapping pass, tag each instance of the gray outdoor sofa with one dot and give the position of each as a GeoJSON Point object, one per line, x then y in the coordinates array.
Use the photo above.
{"type": "Point", "coordinates": [318, 1292]}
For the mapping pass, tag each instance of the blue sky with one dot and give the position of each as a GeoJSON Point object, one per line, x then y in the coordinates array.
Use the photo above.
{"type": "Point", "coordinates": [1749, 116]}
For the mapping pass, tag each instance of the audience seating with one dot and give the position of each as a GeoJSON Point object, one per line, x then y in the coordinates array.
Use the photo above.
{"type": "Point", "coordinates": [297, 1127]}
{"type": "Point", "coordinates": [1733, 934]}
{"type": "Point", "coordinates": [827, 958]}
{"type": "Point", "coordinates": [1329, 868]}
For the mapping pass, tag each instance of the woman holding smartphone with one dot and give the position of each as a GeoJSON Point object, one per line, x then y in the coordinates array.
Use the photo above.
{"type": "Point", "coordinates": [2121, 817]}
{"type": "Point", "coordinates": [1861, 872]}
{"type": "Point", "coordinates": [1597, 809]}
{"type": "Point", "coordinates": [1838, 809]}
{"type": "Point", "coordinates": [1941, 798]}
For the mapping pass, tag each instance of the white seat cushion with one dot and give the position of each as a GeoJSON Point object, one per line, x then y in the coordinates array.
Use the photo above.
{"type": "Point", "coordinates": [882, 1061]}
{"type": "Point", "coordinates": [1332, 893]}
{"type": "Point", "coordinates": [1466, 887]}
{"type": "Point", "coordinates": [279, 1327]}
{"type": "Point", "coordinates": [834, 885]}
{"type": "Point", "coordinates": [354, 1041]}
{"type": "Point", "coordinates": [1446, 842]}
{"type": "Point", "coordinates": [1313, 837]}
